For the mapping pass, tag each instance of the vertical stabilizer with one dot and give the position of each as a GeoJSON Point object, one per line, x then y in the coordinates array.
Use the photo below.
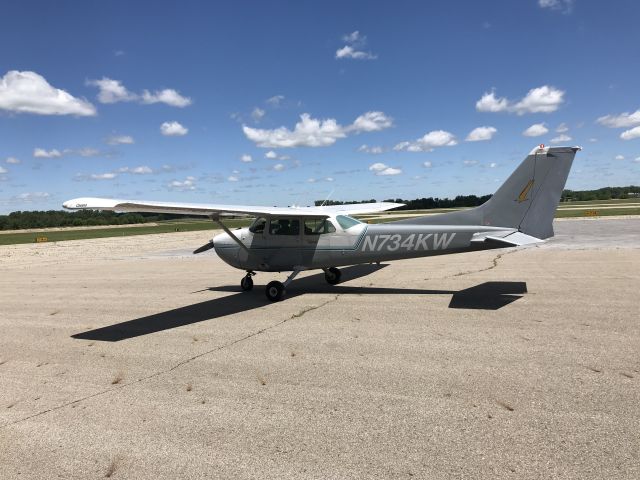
{"type": "Point", "coordinates": [526, 201]}
{"type": "Point", "coordinates": [529, 198]}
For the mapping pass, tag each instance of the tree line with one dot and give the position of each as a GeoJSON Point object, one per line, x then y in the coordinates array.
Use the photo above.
{"type": "Point", "coordinates": [81, 218]}
{"type": "Point", "coordinates": [606, 193]}
{"type": "Point", "coordinates": [421, 203]}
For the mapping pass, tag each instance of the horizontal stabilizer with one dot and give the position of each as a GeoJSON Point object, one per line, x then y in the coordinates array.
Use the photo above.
{"type": "Point", "coordinates": [514, 239]}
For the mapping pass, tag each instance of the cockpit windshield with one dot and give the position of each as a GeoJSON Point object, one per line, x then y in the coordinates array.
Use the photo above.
{"type": "Point", "coordinates": [258, 225]}
{"type": "Point", "coordinates": [347, 222]}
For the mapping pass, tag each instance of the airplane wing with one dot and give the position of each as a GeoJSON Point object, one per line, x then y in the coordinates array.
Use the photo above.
{"type": "Point", "coordinates": [359, 208]}
{"type": "Point", "coordinates": [180, 208]}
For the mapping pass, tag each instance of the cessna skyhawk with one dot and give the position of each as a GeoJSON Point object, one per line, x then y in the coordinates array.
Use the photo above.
{"type": "Point", "coordinates": [327, 237]}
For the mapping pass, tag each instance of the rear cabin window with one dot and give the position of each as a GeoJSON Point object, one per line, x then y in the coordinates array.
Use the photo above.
{"type": "Point", "coordinates": [284, 226]}
{"type": "Point", "coordinates": [318, 226]}
{"type": "Point", "coordinates": [347, 222]}
{"type": "Point", "coordinates": [258, 225]}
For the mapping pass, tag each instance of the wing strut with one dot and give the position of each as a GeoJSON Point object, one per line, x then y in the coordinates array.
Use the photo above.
{"type": "Point", "coordinates": [217, 220]}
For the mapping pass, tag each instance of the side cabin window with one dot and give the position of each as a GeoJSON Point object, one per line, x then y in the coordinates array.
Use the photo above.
{"type": "Point", "coordinates": [318, 226]}
{"type": "Point", "coordinates": [347, 222]}
{"type": "Point", "coordinates": [284, 226]}
{"type": "Point", "coordinates": [258, 225]}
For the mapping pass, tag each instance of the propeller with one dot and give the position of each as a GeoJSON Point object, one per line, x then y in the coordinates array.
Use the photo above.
{"type": "Point", "coordinates": [204, 248]}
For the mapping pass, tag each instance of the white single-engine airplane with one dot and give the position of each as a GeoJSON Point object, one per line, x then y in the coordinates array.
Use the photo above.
{"type": "Point", "coordinates": [326, 237]}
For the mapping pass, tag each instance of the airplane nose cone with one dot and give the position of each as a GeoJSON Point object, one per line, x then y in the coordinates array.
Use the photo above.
{"type": "Point", "coordinates": [222, 240]}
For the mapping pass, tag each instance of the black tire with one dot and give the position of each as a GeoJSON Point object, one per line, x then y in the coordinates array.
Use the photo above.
{"type": "Point", "coordinates": [274, 291]}
{"type": "Point", "coordinates": [332, 275]}
{"type": "Point", "coordinates": [246, 283]}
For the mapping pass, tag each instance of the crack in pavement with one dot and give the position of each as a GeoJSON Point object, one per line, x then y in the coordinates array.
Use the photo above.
{"type": "Point", "coordinates": [494, 264]}
{"type": "Point", "coordinates": [174, 367]}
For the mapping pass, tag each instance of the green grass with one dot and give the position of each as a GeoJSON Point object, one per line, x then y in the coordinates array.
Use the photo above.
{"type": "Point", "coordinates": [165, 227]}
{"type": "Point", "coordinates": [598, 212]}
{"type": "Point", "coordinates": [612, 201]}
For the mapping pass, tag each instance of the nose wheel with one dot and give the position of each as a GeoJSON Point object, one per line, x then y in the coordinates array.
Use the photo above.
{"type": "Point", "coordinates": [332, 275]}
{"type": "Point", "coordinates": [247, 282]}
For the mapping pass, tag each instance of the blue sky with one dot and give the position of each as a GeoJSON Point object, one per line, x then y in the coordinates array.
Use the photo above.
{"type": "Point", "coordinates": [281, 103]}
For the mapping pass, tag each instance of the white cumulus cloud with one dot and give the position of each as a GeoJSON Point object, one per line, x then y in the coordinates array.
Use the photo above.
{"type": "Point", "coordinates": [536, 130]}
{"type": "Point", "coordinates": [257, 114]}
{"type": "Point", "coordinates": [431, 140]}
{"type": "Point", "coordinates": [103, 176]}
{"type": "Point", "coordinates": [630, 134]}
{"type": "Point", "coordinates": [562, 6]}
{"type": "Point", "coordinates": [353, 48]}
{"type": "Point", "coordinates": [142, 170]}
{"type": "Point", "coordinates": [275, 101]}
{"type": "Point", "coordinates": [12, 160]}
{"type": "Point", "coordinates": [232, 178]}
{"type": "Point", "coordinates": [28, 92]}
{"type": "Point", "coordinates": [545, 99]}
{"type": "Point", "coordinates": [42, 153]}
{"type": "Point", "coordinates": [173, 129]}
{"type": "Point", "coordinates": [167, 96]}
{"type": "Point", "coordinates": [377, 150]}
{"type": "Point", "coordinates": [311, 132]}
{"type": "Point", "coordinates": [182, 186]}
{"type": "Point", "coordinates": [619, 157]}
{"type": "Point", "coordinates": [623, 120]}
{"type": "Point", "coordinates": [84, 152]}
{"type": "Point", "coordinates": [382, 169]}
{"type": "Point", "coordinates": [561, 138]}
{"type": "Point", "coordinates": [3, 170]}
{"type": "Point", "coordinates": [427, 164]}
{"type": "Point", "coordinates": [562, 128]}
{"type": "Point", "coordinates": [120, 140]}
{"type": "Point", "coordinates": [490, 103]}
{"type": "Point", "coordinates": [278, 167]}
{"type": "Point", "coordinates": [246, 158]}
{"type": "Point", "coordinates": [113, 91]}
{"type": "Point", "coordinates": [480, 134]}
{"type": "Point", "coordinates": [371, 122]}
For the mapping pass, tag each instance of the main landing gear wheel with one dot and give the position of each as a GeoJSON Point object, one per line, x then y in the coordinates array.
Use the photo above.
{"type": "Point", "coordinates": [274, 291]}
{"type": "Point", "coordinates": [332, 275]}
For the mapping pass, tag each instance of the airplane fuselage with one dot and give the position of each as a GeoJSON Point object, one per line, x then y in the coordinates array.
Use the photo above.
{"type": "Point", "coordinates": [360, 243]}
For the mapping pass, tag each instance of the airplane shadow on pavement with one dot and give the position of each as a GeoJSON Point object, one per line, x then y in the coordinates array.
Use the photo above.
{"type": "Point", "coordinates": [485, 296]}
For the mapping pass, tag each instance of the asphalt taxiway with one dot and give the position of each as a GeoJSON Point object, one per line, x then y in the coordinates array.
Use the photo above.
{"type": "Point", "coordinates": [129, 357]}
